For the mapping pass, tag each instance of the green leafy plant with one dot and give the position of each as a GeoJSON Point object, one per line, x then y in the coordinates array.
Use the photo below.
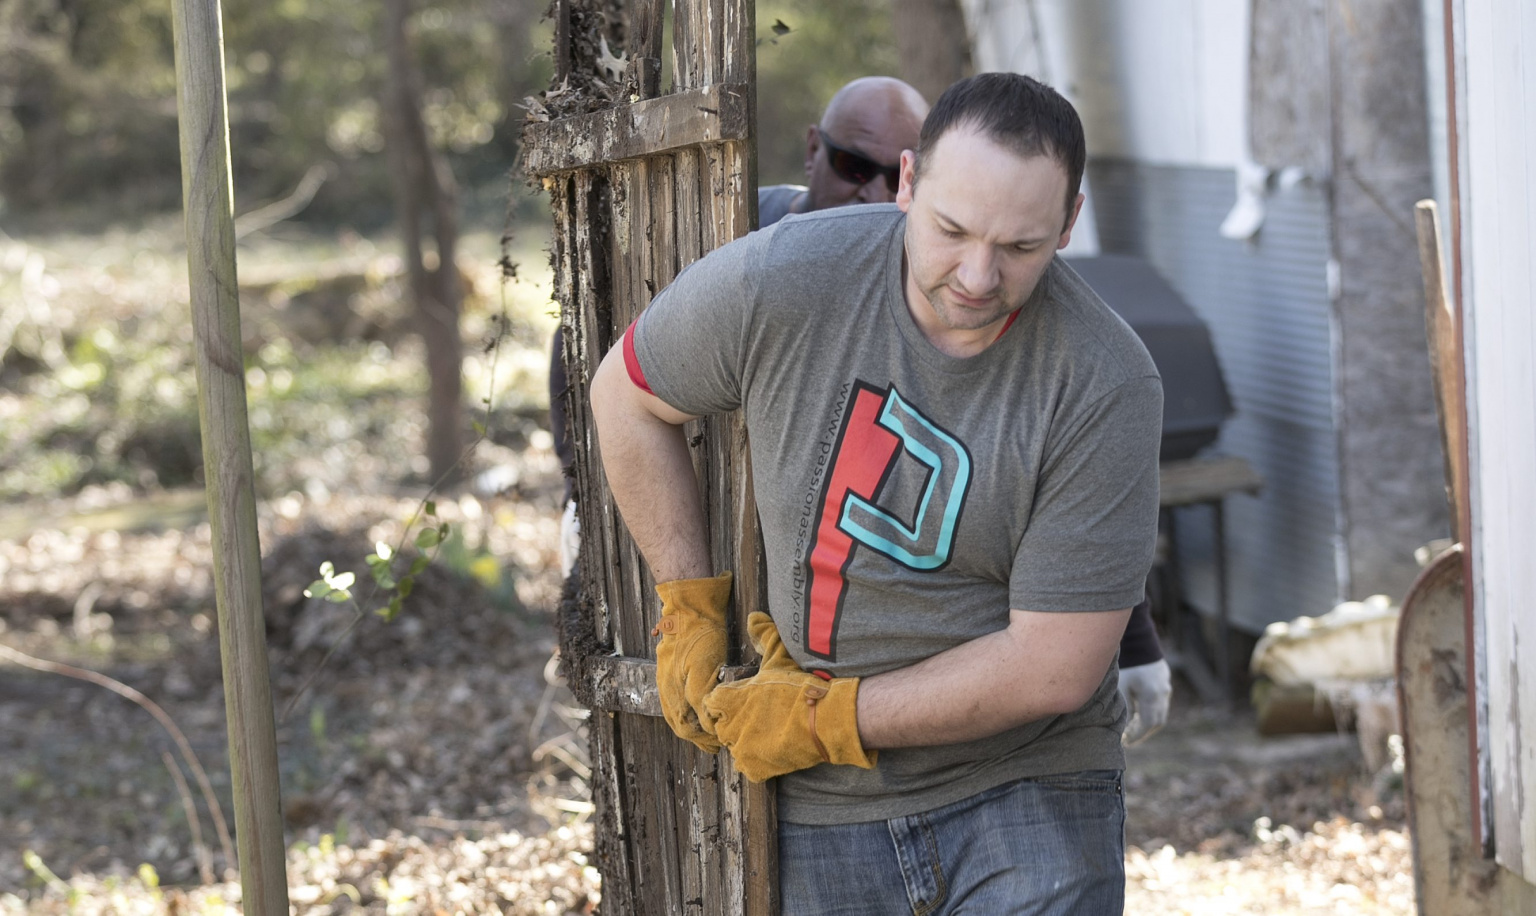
{"type": "Point", "coordinates": [384, 563]}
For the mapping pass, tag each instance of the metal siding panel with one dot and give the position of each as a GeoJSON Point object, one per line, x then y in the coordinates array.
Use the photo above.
{"type": "Point", "coordinates": [1266, 302]}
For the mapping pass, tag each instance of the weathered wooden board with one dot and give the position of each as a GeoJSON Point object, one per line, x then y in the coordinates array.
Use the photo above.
{"type": "Point", "coordinates": [639, 192]}
{"type": "Point", "coordinates": [689, 118]}
{"type": "Point", "coordinates": [1451, 877]}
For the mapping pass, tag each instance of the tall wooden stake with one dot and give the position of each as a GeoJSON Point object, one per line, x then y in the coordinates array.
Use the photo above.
{"type": "Point", "coordinates": [209, 202]}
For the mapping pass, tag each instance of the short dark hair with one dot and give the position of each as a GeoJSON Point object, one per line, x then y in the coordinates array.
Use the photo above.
{"type": "Point", "coordinates": [1018, 113]}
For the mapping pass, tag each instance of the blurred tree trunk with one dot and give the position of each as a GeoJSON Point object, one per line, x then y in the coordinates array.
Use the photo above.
{"type": "Point", "coordinates": [425, 193]}
{"type": "Point", "coordinates": [934, 45]}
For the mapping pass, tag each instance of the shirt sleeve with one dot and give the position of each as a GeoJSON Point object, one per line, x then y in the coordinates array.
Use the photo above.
{"type": "Point", "coordinates": [692, 344]}
{"type": "Point", "coordinates": [1093, 525]}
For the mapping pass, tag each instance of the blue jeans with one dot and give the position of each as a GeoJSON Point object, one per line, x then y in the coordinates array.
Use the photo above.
{"type": "Point", "coordinates": [1047, 846]}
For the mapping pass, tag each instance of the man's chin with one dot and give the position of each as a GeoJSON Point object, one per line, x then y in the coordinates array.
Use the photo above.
{"type": "Point", "coordinates": [966, 315]}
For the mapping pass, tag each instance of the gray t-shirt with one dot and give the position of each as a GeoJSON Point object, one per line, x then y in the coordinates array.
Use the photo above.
{"type": "Point", "coordinates": [908, 498]}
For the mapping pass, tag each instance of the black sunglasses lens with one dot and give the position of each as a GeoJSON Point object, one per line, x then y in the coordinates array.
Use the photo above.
{"type": "Point", "coordinates": [855, 169]}
{"type": "Point", "coordinates": [852, 168]}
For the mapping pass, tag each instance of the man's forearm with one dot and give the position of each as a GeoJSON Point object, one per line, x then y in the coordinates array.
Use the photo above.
{"type": "Point", "coordinates": [650, 473]}
{"type": "Point", "coordinates": [1040, 665]}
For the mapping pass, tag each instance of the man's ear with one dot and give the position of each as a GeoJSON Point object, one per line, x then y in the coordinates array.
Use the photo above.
{"type": "Point", "coordinates": [908, 181]}
{"type": "Point", "coordinates": [812, 147]}
{"type": "Point", "coordinates": [1066, 233]}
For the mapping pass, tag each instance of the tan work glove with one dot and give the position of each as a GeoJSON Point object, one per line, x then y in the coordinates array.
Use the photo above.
{"type": "Point", "coordinates": [691, 651]}
{"type": "Point", "coordinates": [784, 719]}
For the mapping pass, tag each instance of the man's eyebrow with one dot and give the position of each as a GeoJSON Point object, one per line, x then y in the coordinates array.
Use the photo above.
{"type": "Point", "coordinates": [955, 226]}
{"type": "Point", "coordinates": [944, 217]}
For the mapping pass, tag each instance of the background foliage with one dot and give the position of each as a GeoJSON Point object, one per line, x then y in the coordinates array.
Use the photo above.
{"type": "Point", "coordinates": [95, 380]}
{"type": "Point", "coordinates": [88, 94]}
{"type": "Point", "coordinates": [828, 44]}
{"type": "Point", "coordinates": [88, 104]}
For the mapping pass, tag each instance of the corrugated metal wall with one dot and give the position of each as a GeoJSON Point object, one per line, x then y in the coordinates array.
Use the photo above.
{"type": "Point", "coordinates": [1267, 304]}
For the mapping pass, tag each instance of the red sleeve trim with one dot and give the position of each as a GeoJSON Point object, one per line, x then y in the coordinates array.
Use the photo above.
{"type": "Point", "coordinates": [632, 362]}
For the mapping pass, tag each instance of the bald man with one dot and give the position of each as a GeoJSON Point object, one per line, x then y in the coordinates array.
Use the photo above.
{"type": "Point", "coordinates": [853, 155]}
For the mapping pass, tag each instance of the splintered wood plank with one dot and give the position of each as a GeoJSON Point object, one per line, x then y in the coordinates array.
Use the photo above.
{"type": "Point", "coordinates": [646, 19]}
{"type": "Point", "coordinates": [711, 22]}
{"type": "Point", "coordinates": [662, 182]}
{"type": "Point", "coordinates": [652, 759]}
{"type": "Point", "coordinates": [760, 829]}
{"type": "Point", "coordinates": [687, 53]}
{"type": "Point", "coordinates": [641, 607]}
{"type": "Point", "coordinates": [738, 39]}
{"type": "Point", "coordinates": [586, 336]}
{"type": "Point", "coordinates": [640, 192]}
{"type": "Point", "coordinates": [646, 128]}
{"type": "Point", "coordinates": [613, 846]}
{"type": "Point", "coordinates": [709, 823]}
{"type": "Point", "coordinates": [688, 207]}
{"type": "Point", "coordinates": [623, 683]}
{"type": "Point", "coordinates": [562, 17]}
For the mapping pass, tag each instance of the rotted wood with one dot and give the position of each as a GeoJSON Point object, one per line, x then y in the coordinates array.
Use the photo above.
{"type": "Point", "coordinates": [688, 118]}
{"type": "Point", "coordinates": [1450, 875]}
{"type": "Point", "coordinates": [580, 204]}
{"type": "Point", "coordinates": [562, 16]}
{"type": "Point", "coordinates": [622, 683]}
{"type": "Point", "coordinates": [640, 192]}
{"type": "Point", "coordinates": [646, 18]}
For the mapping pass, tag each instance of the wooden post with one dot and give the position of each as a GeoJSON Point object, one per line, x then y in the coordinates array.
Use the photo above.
{"type": "Point", "coordinates": [209, 203]}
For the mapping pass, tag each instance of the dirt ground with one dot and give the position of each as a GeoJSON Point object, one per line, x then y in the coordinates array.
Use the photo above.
{"type": "Point", "coordinates": [435, 764]}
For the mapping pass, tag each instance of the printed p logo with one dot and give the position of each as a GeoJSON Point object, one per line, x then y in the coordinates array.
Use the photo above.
{"type": "Point", "coordinates": [878, 428]}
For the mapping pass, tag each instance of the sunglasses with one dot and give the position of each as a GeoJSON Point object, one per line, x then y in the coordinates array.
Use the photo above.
{"type": "Point", "coordinates": [856, 169]}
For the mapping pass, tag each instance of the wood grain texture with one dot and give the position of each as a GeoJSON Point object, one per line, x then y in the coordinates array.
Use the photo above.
{"type": "Point", "coordinates": [1444, 349]}
{"type": "Point", "coordinates": [1450, 875]}
{"type": "Point", "coordinates": [209, 203]}
{"type": "Point", "coordinates": [640, 192]}
{"type": "Point", "coordinates": [692, 117]}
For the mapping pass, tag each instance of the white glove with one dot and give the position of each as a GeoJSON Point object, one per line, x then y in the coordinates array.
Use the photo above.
{"type": "Point", "coordinates": [1146, 690]}
{"type": "Point", "coordinates": [570, 539]}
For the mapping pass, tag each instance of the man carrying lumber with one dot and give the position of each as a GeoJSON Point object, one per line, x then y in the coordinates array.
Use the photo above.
{"type": "Point", "coordinates": [852, 157]}
{"type": "Point", "coordinates": [955, 457]}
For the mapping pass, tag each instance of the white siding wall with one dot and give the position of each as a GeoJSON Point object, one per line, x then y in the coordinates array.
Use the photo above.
{"type": "Point", "coordinates": [1162, 86]}
{"type": "Point", "coordinates": [1161, 81]}
{"type": "Point", "coordinates": [1498, 96]}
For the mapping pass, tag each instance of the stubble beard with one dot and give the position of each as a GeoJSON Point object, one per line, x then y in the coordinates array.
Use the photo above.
{"type": "Point", "coordinates": [960, 318]}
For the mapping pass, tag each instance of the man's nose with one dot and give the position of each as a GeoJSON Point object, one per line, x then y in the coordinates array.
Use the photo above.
{"type": "Point", "coordinates": [977, 272]}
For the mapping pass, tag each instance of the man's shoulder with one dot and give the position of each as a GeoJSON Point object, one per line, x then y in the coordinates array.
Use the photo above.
{"type": "Point", "coordinates": [836, 229]}
{"type": "Point", "coordinates": [1088, 322]}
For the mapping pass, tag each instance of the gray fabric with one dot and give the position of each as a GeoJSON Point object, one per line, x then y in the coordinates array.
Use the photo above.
{"type": "Point", "coordinates": [773, 202]}
{"type": "Point", "coordinates": [942, 491]}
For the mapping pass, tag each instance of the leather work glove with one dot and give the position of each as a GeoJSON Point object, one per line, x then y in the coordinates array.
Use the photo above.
{"type": "Point", "coordinates": [1146, 690]}
{"type": "Point", "coordinates": [784, 719]}
{"type": "Point", "coordinates": [691, 651]}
